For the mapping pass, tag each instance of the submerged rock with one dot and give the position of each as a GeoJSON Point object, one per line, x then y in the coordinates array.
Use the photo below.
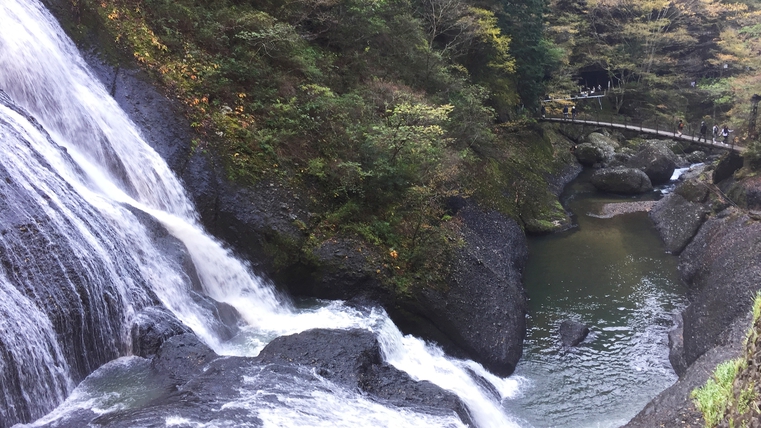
{"type": "Point", "coordinates": [629, 181]}
{"type": "Point", "coordinates": [572, 332]}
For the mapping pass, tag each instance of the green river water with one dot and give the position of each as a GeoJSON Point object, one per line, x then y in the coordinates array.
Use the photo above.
{"type": "Point", "coordinates": [614, 275]}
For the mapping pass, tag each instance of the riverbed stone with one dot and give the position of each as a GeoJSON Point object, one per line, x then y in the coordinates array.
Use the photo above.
{"type": "Point", "coordinates": [692, 190]}
{"type": "Point", "coordinates": [628, 181]}
{"type": "Point", "coordinates": [572, 332]}
{"type": "Point", "coordinates": [655, 160]}
{"type": "Point", "coordinates": [589, 154]}
{"type": "Point", "coordinates": [677, 221]}
{"type": "Point", "coordinates": [696, 156]}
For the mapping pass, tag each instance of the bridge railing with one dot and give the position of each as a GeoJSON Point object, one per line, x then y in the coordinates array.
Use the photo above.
{"type": "Point", "coordinates": [661, 126]}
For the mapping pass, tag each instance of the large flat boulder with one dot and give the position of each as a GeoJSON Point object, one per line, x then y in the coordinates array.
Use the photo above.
{"type": "Point", "coordinates": [627, 181]}
{"type": "Point", "coordinates": [353, 358]}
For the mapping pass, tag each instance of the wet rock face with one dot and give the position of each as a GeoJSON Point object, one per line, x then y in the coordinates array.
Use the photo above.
{"type": "Point", "coordinates": [480, 315]}
{"type": "Point", "coordinates": [722, 265]}
{"type": "Point", "coordinates": [628, 181]}
{"type": "Point", "coordinates": [657, 161]}
{"type": "Point", "coordinates": [572, 332]}
{"type": "Point", "coordinates": [199, 385]}
{"type": "Point", "coordinates": [151, 328]}
{"type": "Point", "coordinates": [677, 220]}
{"type": "Point", "coordinates": [353, 358]}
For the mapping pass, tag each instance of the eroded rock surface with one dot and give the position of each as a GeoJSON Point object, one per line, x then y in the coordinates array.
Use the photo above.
{"type": "Point", "coordinates": [677, 220]}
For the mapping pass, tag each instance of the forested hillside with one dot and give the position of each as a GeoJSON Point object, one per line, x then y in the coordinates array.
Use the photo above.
{"type": "Point", "coordinates": [381, 110]}
{"type": "Point", "coordinates": [384, 109]}
{"type": "Point", "coordinates": [695, 59]}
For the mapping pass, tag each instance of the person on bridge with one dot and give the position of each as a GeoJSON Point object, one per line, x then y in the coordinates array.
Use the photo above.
{"type": "Point", "coordinates": [703, 130]}
{"type": "Point", "coordinates": [573, 112]}
{"type": "Point", "coordinates": [565, 112]}
{"type": "Point", "coordinates": [725, 133]}
{"type": "Point", "coordinates": [715, 132]}
{"type": "Point", "coordinates": [680, 127]}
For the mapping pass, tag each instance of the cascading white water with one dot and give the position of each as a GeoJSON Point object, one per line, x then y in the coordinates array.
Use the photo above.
{"type": "Point", "coordinates": [88, 168]}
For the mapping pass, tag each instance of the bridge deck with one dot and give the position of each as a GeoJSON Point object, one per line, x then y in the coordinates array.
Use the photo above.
{"type": "Point", "coordinates": [661, 133]}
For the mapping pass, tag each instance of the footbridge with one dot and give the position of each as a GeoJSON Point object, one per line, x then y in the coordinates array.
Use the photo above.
{"type": "Point", "coordinates": [651, 128]}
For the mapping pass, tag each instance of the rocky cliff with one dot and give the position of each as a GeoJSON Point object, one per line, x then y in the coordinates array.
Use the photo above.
{"type": "Point", "coordinates": [720, 263]}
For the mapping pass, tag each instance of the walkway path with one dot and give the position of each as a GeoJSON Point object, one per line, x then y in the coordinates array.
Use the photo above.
{"type": "Point", "coordinates": [639, 128]}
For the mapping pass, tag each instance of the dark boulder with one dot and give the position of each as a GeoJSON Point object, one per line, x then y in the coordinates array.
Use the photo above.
{"type": "Point", "coordinates": [353, 358]}
{"type": "Point", "coordinates": [655, 160]}
{"type": "Point", "coordinates": [726, 167]}
{"type": "Point", "coordinates": [628, 181]}
{"type": "Point", "coordinates": [692, 190]}
{"type": "Point", "coordinates": [182, 356]}
{"type": "Point", "coordinates": [151, 328]}
{"type": "Point", "coordinates": [746, 193]}
{"type": "Point", "coordinates": [677, 221]}
{"type": "Point", "coordinates": [572, 332]}
{"type": "Point", "coordinates": [596, 149]}
{"type": "Point", "coordinates": [588, 154]}
{"type": "Point", "coordinates": [223, 317]}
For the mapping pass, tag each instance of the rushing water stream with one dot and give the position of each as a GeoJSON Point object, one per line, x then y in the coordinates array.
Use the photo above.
{"type": "Point", "coordinates": [613, 275]}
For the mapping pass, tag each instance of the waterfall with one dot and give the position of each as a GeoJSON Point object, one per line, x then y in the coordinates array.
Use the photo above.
{"type": "Point", "coordinates": [78, 262]}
